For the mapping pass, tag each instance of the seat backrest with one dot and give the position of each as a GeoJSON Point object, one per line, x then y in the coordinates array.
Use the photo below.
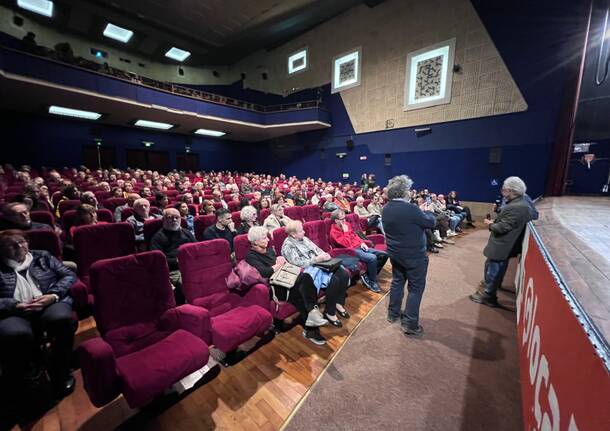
{"type": "Point", "coordinates": [112, 203]}
{"type": "Point", "coordinates": [105, 215]}
{"type": "Point", "coordinates": [101, 195]}
{"type": "Point", "coordinates": [236, 217]}
{"type": "Point", "coordinates": [201, 223]}
{"type": "Point", "coordinates": [311, 213]}
{"type": "Point", "coordinates": [68, 205]}
{"type": "Point", "coordinates": [352, 205]}
{"type": "Point", "coordinates": [295, 213]}
{"type": "Point", "coordinates": [354, 221]}
{"type": "Point", "coordinates": [101, 241]}
{"type": "Point", "coordinates": [43, 217]}
{"type": "Point", "coordinates": [205, 267]}
{"type": "Point", "coordinates": [263, 214]}
{"type": "Point", "coordinates": [316, 231]}
{"type": "Point", "coordinates": [217, 205]}
{"type": "Point", "coordinates": [130, 289]}
{"type": "Point", "coordinates": [68, 220]}
{"type": "Point", "coordinates": [151, 227]}
{"type": "Point", "coordinates": [126, 213]}
{"type": "Point", "coordinates": [279, 235]}
{"type": "Point", "coordinates": [44, 239]}
{"type": "Point", "coordinates": [233, 206]}
{"type": "Point", "coordinates": [241, 245]}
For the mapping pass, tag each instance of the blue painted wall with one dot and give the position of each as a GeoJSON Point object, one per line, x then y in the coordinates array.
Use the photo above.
{"type": "Point", "coordinates": [539, 42]}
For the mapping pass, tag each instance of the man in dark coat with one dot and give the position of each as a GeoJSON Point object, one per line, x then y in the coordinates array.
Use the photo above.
{"type": "Point", "coordinates": [404, 225]}
{"type": "Point", "coordinates": [505, 239]}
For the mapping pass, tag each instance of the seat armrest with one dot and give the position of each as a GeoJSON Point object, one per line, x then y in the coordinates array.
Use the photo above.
{"type": "Point", "coordinates": [334, 252]}
{"type": "Point", "coordinates": [191, 318]}
{"type": "Point", "coordinates": [100, 374]}
{"type": "Point", "coordinates": [376, 238]}
{"type": "Point", "coordinates": [80, 293]}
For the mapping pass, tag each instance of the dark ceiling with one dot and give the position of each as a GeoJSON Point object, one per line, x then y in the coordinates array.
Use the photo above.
{"type": "Point", "coordinates": [216, 32]}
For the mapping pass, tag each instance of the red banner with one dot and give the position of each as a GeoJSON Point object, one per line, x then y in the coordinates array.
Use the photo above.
{"type": "Point", "coordinates": [564, 383]}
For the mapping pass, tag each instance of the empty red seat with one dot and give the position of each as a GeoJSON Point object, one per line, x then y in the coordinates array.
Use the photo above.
{"type": "Point", "coordinates": [235, 319]}
{"type": "Point", "coordinates": [105, 215]}
{"type": "Point", "coordinates": [67, 205]}
{"type": "Point", "coordinates": [277, 239]}
{"type": "Point", "coordinates": [112, 203]}
{"type": "Point", "coordinates": [310, 213]}
{"type": "Point", "coordinates": [93, 243]}
{"type": "Point", "coordinates": [295, 213]}
{"type": "Point", "coordinates": [44, 239]}
{"type": "Point", "coordinates": [201, 223]}
{"type": "Point", "coordinates": [147, 343]}
{"type": "Point", "coordinates": [45, 217]}
{"type": "Point", "coordinates": [233, 206]}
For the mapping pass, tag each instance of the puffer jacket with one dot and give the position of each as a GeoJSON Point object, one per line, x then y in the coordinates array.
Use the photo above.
{"type": "Point", "coordinates": [52, 277]}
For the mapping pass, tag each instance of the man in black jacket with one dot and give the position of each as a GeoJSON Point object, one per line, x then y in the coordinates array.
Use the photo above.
{"type": "Point", "coordinates": [223, 229]}
{"type": "Point", "coordinates": [404, 225]}
{"type": "Point", "coordinates": [16, 215]}
{"type": "Point", "coordinates": [34, 300]}
{"type": "Point", "coordinates": [169, 239]}
{"type": "Point", "coordinates": [505, 239]}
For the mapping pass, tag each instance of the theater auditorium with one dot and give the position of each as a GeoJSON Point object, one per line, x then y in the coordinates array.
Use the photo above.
{"type": "Point", "coordinates": [305, 214]}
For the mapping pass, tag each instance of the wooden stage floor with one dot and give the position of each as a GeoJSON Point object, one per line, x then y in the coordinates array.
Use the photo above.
{"type": "Point", "coordinates": [576, 233]}
{"type": "Point", "coordinates": [258, 393]}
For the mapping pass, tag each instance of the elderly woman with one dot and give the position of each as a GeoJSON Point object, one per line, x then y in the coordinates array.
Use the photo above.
{"type": "Point", "coordinates": [249, 217]}
{"type": "Point", "coordinates": [34, 300]}
{"type": "Point", "coordinates": [207, 208]}
{"type": "Point", "coordinates": [301, 251]}
{"type": "Point", "coordinates": [276, 219]}
{"type": "Point", "coordinates": [303, 295]}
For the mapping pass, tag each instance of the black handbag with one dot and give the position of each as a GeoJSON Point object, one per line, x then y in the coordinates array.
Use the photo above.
{"type": "Point", "coordinates": [330, 265]}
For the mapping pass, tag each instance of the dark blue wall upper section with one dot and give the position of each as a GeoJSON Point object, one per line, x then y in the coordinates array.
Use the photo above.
{"type": "Point", "coordinates": [539, 42]}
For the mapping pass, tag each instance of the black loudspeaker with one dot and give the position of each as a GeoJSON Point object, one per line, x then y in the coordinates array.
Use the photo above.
{"type": "Point", "coordinates": [350, 144]}
{"type": "Point", "coordinates": [264, 75]}
{"type": "Point", "coordinates": [495, 155]}
{"type": "Point", "coordinates": [387, 160]}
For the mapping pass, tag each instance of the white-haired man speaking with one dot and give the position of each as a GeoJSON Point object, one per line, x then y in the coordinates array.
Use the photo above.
{"type": "Point", "coordinates": [505, 239]}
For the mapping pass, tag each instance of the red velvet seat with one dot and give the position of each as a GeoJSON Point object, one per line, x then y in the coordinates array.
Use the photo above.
{"type": "Point", "coordinates": [45, 217]}
{"type": "Point", "coordinates": [67, 205]}
{"type": "Point", "coordinates": [126, 213]}
{"type": "Point", "coordinates": [44, 239]}
{"type": "Point", "coordinates": [112, 203]}
{"type": "Point", "coordinates": [201, 223]}
{"type": "Point", "coordinates": [236, 217]}
{"type": "Point", "coordinates": [263, 214]}
{"type": "Point", "coordinates": [233, 206]}
{"type": "Point", "coordinates": [317, 231]}
{"type": "Point", "coordinates": [68, 219]}
{"type": "Point", "coordinates": [235, 319]}
{"type": "Point", "coordinates": [93, 243]}
{"type": "Point", "coordinates": [147, 343]}
{"type": "Point", "coordinates": [278, 237]}
{"type": "Point", "coordinates": [310, 213]}
{"type": "Point", "coordinates": [105, 215]}
{"type": "Point", "coordinates": [295, 213]}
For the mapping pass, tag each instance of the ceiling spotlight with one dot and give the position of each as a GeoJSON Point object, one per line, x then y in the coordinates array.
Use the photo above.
{"type": "Point", "coordinates": [177, 54]}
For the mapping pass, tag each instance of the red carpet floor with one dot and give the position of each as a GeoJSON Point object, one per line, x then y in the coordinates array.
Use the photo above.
{"type": "Point", "coordinates": [463, 374]}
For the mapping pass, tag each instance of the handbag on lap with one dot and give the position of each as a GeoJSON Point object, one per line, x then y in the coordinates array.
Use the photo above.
{"type": "Point", "coordinates": [286, 276]}
{"type": "Point", "coordinates": [330, 265]}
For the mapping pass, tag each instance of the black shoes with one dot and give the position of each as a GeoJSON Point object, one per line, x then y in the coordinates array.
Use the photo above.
{"type": "Point", "coordinates": [343, 314]}
{"type": "Point", "coordinates": [393, 319]}
{"type": "Point", "coordinates": [336, 323]}
{"type": "Point", "coordinates": [485, 299]}
{"type": "Point", "coordinates": [414, 332]}
{"type": "Point", "coordinates": [314, 336]}
{"type": "Point", "coordinates": [65, 387]}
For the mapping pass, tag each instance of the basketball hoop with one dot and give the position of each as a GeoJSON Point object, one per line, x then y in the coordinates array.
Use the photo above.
{"type": "Point", "coordinates": [588, 159]}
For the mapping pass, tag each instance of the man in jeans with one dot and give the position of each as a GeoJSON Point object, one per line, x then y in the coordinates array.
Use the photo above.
{"type": "Point", "coordinates": [404, 225]}
{"type": "Point", "coordinates": [342, 234]}
{"type": "Point", "coordinates": [505, 239]}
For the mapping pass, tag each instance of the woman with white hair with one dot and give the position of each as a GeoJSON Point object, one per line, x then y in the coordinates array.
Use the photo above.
{"type": "Point", "coordinates": [249, 217]}
{"type": "Point", "coordinates": [303, 295]}
{"type": "Point", "coordinates": [276, 219]}
{"type": "Point", "coordinates": [301, 251]}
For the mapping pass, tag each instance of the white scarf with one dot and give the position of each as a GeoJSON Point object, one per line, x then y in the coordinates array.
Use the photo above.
{"type": "Point", "coordinates": [26, 287]}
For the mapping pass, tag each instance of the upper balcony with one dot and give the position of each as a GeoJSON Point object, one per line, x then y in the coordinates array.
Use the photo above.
{"type": "Point", "coordinates": [31, 83]}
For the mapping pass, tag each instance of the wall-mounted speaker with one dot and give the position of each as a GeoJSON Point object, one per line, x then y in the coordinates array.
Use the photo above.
{"type": "Point", "coordinates": [495, 155]}
{"type": "Point", "coordinates": [264, 75]}
{"type": "Point", "coordinates": [387, 160]}
{"type": "Point", "coordinates": [350, 144]}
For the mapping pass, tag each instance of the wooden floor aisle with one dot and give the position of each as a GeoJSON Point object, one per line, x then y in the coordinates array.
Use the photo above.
{"type": "Point", "coordinates": [258, 393]}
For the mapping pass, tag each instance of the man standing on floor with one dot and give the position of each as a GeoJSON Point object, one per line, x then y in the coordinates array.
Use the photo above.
{"type": "Point", "coordinates": [505, 239]}
{"type": "Point", "coordinates": [404, 225]}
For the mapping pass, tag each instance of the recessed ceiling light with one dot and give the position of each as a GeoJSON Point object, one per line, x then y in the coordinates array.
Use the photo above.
{"type": "Point", "coordinates": [117, 33]}
{"type": "Point", "coordinates": [177, 54]}
{"type": "Point", "coordinates": [77, 113]}
{"type": "Point", "coordinates": [153, 124]}
{"type": "Point", "coordinates": [297, 61]}
{"type": "Point", "coordinates": [208, 132]}
{"type": "Point", "coordinates": [42, 7]}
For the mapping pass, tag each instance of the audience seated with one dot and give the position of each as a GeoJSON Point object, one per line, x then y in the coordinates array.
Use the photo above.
{"type": "Point", "coordinates": [17, 216]}
{"type": "Point", "coordinates": [130, 199]}
{"type": "Point", "coordinates": [35, 309]}
{"type": "Point", "coordinates": [249, 218]}
{"type": "Point", "coordinates": [301, 251]}
{"type": "Point", "coordinates": [276, 219]}
{"type": "Point", "coordinates": [224, 228]}
{"type": "Point", "coordinates": [372, 220]}
{"type": "Point", "coordinates": [141, 209]}
{"type": "Point", "coordinates": [342, 234]}
{"type": "Point", "coordinates": [341, 202]}
{"type": "Point", "coordinates": [168, 240]}
{"type": "Point", "coordinates": [183, 209]}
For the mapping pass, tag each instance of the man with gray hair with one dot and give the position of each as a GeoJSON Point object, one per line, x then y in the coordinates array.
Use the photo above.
{"type": "Point", "coordinates": [505, 239]}
{"type": "Point", "coordinates": [404, 225]}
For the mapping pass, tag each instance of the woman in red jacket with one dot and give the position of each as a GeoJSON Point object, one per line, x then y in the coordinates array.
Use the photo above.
{"type": "Point", "coordinates": [342, 235]}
